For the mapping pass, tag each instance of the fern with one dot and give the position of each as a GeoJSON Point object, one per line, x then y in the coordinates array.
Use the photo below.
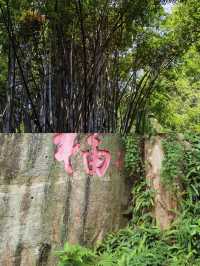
{"type": "Point", "coordinates": [75, 255]}
{"type": "Point", "coordinates": [106, 260]}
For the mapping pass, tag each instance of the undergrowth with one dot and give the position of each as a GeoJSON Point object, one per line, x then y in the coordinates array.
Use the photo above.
{"type": "Point", "coordinates": [141, 243]}
{"type": "Point", "coordinates": [132, 158]}
{"type": "Point", "coordinates": [173, 160]}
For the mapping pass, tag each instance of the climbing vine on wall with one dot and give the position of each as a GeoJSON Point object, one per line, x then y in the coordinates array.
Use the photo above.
{"type": "Point", "coordinates": [173, 160]}
{"type": "Point", "coordinates": [132, 155]}
{"type": "Point", "coordinates": [191, 182]}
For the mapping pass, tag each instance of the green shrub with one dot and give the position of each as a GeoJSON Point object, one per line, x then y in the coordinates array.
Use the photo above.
{"type": "Point", "coordinates": [132, 154]}
{"type": "Point", "coordinates": [173, 160]}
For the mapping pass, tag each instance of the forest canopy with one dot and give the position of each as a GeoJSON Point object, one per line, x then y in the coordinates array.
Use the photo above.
{"type": "Point", "coordinates": [99, 65]}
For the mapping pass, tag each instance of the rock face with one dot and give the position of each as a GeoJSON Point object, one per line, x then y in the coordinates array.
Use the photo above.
{"type": "Point", "coordinates": [165, 201]}
{"type": "Point", "coordinates": [42, 206]}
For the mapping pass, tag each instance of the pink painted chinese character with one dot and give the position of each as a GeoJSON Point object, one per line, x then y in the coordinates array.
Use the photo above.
{"type": "Point", "coordinates": [96, 161]}
{"type": "Point", "coordinates": [66, 147]}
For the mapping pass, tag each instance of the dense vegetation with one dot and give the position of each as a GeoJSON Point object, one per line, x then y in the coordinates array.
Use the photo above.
{"type": "Point", "coordinates": [142, 243]}
{"type": "Point", "coordinates": [99, 65]}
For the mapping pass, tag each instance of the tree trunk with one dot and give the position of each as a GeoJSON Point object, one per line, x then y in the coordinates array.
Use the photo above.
{"type": "Point", "coordinates": [9, 125]}
{"type": "Point", "coordinates": [45, 201]}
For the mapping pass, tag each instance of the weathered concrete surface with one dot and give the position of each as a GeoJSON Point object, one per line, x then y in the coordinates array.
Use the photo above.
{"type": "Point", "coordinates": [165, 201]}
{"type": "Point", "coordinates": [41, 206]}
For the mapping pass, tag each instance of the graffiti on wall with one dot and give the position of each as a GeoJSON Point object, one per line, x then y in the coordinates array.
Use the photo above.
{"type": "Point", "coordinates": [96, 161]}
{"type": "Point", "coordinates": [66, 147]}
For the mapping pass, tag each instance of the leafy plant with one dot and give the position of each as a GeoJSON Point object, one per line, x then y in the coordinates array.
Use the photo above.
{"type": "Point", "coordinates": [173, 159]}
{"type": "Point", "coordinates": [143, 201]}
{"type": "Point", "coordinates": [132, 154]}
{"type": "Point", "coordinates": [75, 255]}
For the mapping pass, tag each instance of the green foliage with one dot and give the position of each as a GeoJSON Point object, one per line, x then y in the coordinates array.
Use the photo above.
{"type": "Point", "coordinates": [142, 203]}
{"type": "Point", "coordinates": [191, 170]}
{"type": "Point", "coordinates": [132, 155]}
{"type": "Point", "coordinates": [75, 256]}
{"type": "Point", "coordinates": [173, 159]}
{"type": "Point", "coordinates": [176, 100]}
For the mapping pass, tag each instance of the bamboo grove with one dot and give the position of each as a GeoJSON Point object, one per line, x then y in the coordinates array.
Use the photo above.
{"type": "Point", "coordinates": [82, 66]}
